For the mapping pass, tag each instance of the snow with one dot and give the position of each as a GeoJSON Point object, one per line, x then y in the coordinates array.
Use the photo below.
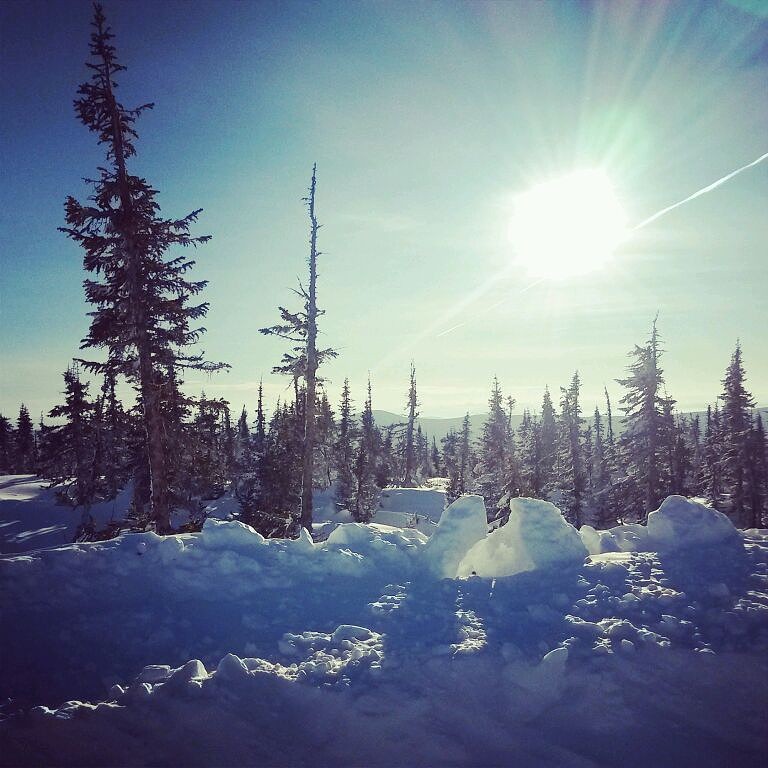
{"type": "Point", "coordinates": [536, 537]}
{"type": "Point", "coordinates": [678, 524]}
{"type": "Point", "coordinates": [223, 648]}
{"type": "Point", "coordinates": [681, 523]}
{"type": "Point", "coordinates": [419, 508]}
{"type": "Point", "coordinates": [462, 525]}
{"type": "Point", "coordinates": [30, 516]}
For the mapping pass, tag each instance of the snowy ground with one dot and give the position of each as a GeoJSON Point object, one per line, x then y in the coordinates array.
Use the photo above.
{"type": "Point", "coordinates": [354, 651]}
{"type": "Point", "coordinates": [30, 518]}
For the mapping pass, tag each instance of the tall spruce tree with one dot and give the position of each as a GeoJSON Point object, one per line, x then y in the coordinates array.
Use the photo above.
{"type": "Point", "coordinates": [143, 317]}
{"type": "Point", "coordinates": [409, 443]}
{"type": "Point", "coordinates": [492, 478]}
{"type": "Point", "coordinates": [736, 424]}
{"type": "Point", "coordinates": [570, 469]}
{"type": "Point", "coordinates": [24, 443]}
{"type": "Point", "coordinates": [711, 475]}
{"type": "Point", "coordinates": [547, 440]}
{"type": "Point", "coordinates": [642, 440]}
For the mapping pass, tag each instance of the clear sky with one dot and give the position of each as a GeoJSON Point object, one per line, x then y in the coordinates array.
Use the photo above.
{"type": "Point", "coordinates": [425, 119]}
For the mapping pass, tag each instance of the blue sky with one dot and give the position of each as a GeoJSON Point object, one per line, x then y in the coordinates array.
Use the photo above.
{"type": "Point", "coordinates": [425, 120]}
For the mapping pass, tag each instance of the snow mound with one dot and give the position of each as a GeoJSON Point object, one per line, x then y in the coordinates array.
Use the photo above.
{"type": "Point", "coordinates": [219, 534]}
{"type": "Point", "coordinates": [680, 523]}
{"type": "Point", "coordinates": [461, 526]}
{"type": "Point", "coordinates": [536, 537]}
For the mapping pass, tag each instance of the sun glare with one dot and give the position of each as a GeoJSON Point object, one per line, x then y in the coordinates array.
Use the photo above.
{"type": "Point", "coordinates": [568, 226]}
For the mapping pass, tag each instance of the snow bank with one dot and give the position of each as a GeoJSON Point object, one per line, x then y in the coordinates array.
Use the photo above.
{"type": "Point", "coordinates": [427, 503]}
{"type": "Point", "coordinates": [461, 526]}
{"type": "Point", "coordinates": [536, 537]}
{"type": "Point", "coordinates": [680, 523]}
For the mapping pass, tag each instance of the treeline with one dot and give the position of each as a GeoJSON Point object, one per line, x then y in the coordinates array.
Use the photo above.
{"type": "Point", "coordinates": [597, 474]}
{"type": "Point", "coordinates": [600, 477]}
{"type": "Point", "coordinates": [175, 451]}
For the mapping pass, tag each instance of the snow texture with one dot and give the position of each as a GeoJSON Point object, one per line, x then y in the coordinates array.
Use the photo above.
{"type": "Point", "coordinates": [223, 648]}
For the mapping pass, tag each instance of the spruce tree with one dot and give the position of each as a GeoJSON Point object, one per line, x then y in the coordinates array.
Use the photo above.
{"type": "Point", "coordinates": [344, 454]}
{"type": "Point", "coordinates": [758, 474]}
{"type": "Point", "coordinates": [465, 457]}
{"type": "Point", "coordinates": [547, 440]}
{"type": "Point", "coordinates": [24, 443]}
{"type": "Point", "coordinates": [386, 462]}
{"type": "Point", "coordinates": [642, 439]}
{"type": "Point", "coordinates": [529, 440]}
{"type": "Point", "coordinates": [366, 498]}
{"type": "Point", "coordinates": [570, 470]}
{"type": "Point", "coordinates": [409, 445]}
{"type": "Point", "coordinates": [451, 451]}
{"type": "Point", "coordinates": [114, 429]}
{"type": "Point", "coordinates": [143, 317]}
{"type": "Point", "coordinates": [324, 443]}
{"type": "Point", "coordinates": [74, 441]}
{"type": "Point", "coordinates": [6, 445]}
{"type": "Point", "coordinates": [736, 424]}
{"type": "Point", "coordinates": [493, 466]}
{"type": "Point", "coordinates": [434, 458]}
{"type": "Point", "coordinates": [711, 481]}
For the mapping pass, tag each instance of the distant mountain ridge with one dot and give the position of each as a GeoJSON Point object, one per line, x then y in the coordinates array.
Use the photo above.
{"type": "Point", "coordinates": [439, 428]}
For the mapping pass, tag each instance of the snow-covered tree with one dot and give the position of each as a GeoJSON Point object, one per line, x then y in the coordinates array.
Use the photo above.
{"type": "Point", "coordinates": [344, 453]}
{"type": "Point", "coordinates": [570, 470]}
{"type": "Point", "coordinates": [641, 443]}
{"type": "Point", "coordinates": [492, 473]}
{"type": "Point", "coordinates": [547, 442]}
{"type": "Point", "coordinates": [736, 425]}
{"type": "Point", "coordinates": [366, 497]}
{"type": "Point", "coordinates": [410, 455]}
{"type": "Point", "coordinates": [71, 444]}
{"type": "Point", "coordinates": [24, 443]}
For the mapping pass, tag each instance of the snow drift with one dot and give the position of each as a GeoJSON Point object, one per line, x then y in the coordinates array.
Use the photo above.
{"type": "Point", "coordinates": [678, 524]}
{"type": "Point", "coordinates": [223, 648]}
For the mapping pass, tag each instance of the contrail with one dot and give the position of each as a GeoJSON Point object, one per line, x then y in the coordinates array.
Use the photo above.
{"type": "Point", "coordinates": [702, 191]}
{"type": "Point", "coordinates": [488, 309]}
{"type": "Point", "coordinates": [657, 215]}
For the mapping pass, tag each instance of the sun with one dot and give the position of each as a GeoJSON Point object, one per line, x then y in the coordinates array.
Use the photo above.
{"type": "Point", "coordinates": [568, 226]}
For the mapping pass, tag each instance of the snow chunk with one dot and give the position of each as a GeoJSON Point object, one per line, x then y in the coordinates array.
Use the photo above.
{"type": "Point", "coordinates": [680, 523]}
{"type": "Point", "coordinates": [536, 537]}
{"type": "Point", "coordinates": [231, 668]}
{"type": "Point", "coordinates": [461, 526]}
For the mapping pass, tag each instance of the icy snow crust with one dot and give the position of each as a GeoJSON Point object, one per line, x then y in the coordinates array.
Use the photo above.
{"type": "Point", "coordinates": [222, 648]}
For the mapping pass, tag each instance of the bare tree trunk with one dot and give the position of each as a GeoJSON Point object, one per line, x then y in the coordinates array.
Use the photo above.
{"type": "Point", "coordinates": [311, 373]}
{"type": "Point", "coordinates": [150, 395]}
